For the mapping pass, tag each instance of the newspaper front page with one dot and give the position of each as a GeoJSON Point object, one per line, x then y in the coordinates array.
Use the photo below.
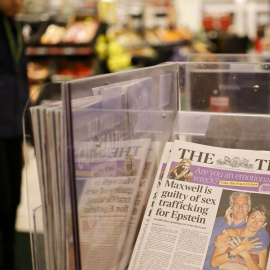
{"type": "Point", "coordinates": [211, 211]}
{"type": "Point", "coordinates": [110, 184]}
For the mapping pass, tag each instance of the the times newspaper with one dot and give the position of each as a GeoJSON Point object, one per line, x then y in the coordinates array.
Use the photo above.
{"type": "Point", "coordinates": [107, 200]}
{"type": "Point", "coordinates": [141, 200]}
{"type": "Point", "coordinates": [211, 211]}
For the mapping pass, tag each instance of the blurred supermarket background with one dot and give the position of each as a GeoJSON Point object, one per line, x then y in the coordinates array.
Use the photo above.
{"type": "Point", "coordinates": [69, 39]}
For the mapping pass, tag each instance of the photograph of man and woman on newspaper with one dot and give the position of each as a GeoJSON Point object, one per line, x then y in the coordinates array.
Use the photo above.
{"type": "Point", "coordinates": [240, 236]}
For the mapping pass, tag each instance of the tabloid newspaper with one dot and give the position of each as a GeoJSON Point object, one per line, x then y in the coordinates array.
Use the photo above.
{"type": "Point", "coordinates": [211, 211]}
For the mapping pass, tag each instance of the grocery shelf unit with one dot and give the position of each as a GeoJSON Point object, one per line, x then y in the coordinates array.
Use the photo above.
{"type": "Point", "coordinates": [222, 104]}
{"type": "Point", "coordinates": [61, 57]}
{"type": "Point", "coordinates": [53, 58]}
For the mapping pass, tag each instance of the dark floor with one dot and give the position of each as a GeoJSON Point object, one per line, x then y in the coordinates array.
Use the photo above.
{"type": "Point", "coordinates": [23, 259]}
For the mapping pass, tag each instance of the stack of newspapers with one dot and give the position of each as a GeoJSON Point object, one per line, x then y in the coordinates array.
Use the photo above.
{"type": "Point", "coordinates": [115, 157]}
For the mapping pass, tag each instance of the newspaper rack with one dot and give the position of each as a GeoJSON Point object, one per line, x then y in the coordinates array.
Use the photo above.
{"type": "Point", "coordinates": [221, 104]}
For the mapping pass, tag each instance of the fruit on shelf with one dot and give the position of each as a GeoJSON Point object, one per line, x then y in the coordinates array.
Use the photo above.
{"type": "Point", "coordinates": [101, 47]}
{"type": "Point", "coordinates": [81, 32]}
{"type": "Point", "coordinates": [158, 35]}
{"type": "Point", "coordinates": [53, 35]}
{"type": "Point", "coordinates": [78, 70]}
{"type": "Point", "coordinates": [37, 72]}
{"type": "Point", "coordinates": [119, 62]}
{"type": "Point", "coordinates": [78, 32]}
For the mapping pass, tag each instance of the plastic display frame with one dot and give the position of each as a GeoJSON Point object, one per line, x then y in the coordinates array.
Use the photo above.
{"type": "Point", "coordinates": [170, 113]}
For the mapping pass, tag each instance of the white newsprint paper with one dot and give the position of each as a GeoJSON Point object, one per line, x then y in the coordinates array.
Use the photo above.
{"type": "Point", "coordinates": [140, 204]}
{"type": "Point", "coordinates": [193, 195]}
{"type": "Point", "coordinates": [110, 183]}
{"type": "Point", "coordinates": [163, 162]}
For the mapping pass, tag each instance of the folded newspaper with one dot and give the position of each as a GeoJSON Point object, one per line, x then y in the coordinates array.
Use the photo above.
{"type": "Point", "coordinates": [107, 201]}
{"type": "Point", "coordinates": [209, 211]}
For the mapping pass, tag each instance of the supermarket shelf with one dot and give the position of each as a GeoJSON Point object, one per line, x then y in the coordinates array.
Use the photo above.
{"type": "Point", "coordinates": [58, 50]}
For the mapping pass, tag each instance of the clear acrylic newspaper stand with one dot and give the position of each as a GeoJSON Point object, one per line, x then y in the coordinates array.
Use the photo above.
{"type": "Point", "coordinates": [96, 150]}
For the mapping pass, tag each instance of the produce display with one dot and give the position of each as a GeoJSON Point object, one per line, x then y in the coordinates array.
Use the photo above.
{"type": "Point", "coordinates": [81, 32]}
{"type": "Point", "coordinates": [78, 32]}
{"type": "Point", "coordinates": [73, 71]}
{"type": "Point", "coordinates": [108, 48]}
{"type": "Point", "coordinates": [37, 74]}
{"type": "Point", "coordinates": [37, 71]}
{"type": "Point", "coordinates": [127, 37]}
{"type": "Point", "coordinates": [117, 46]}
{"type": "Point", "coordinates": [159, 36]}
{"type": "Point", "coordinates": [53, 34]}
